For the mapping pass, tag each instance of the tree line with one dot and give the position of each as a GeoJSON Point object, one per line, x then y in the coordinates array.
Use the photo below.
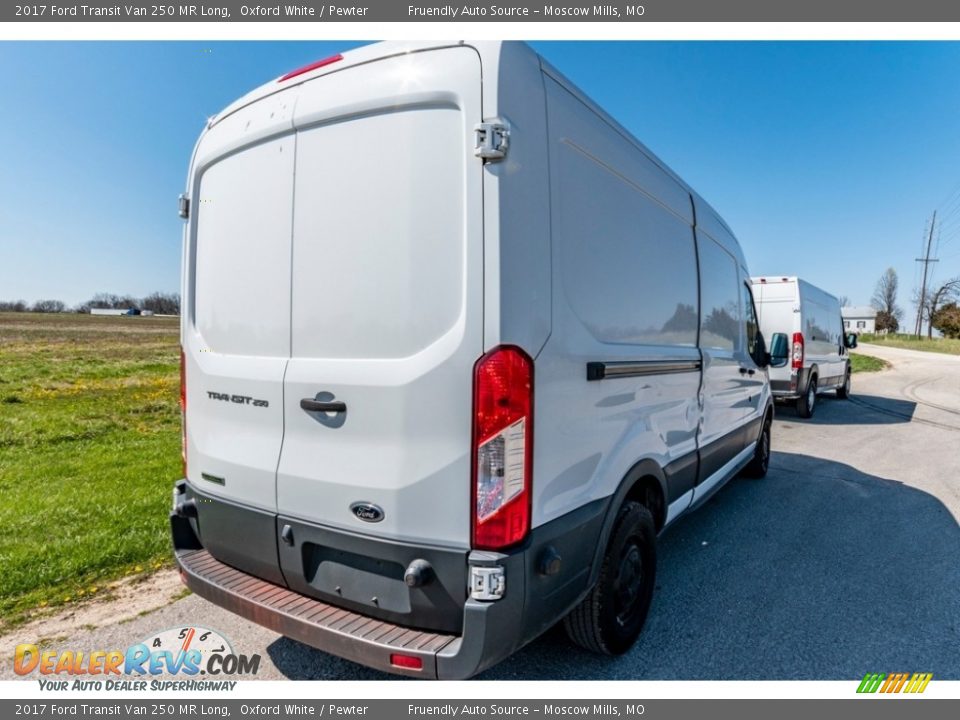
{"type": "Point", "coordinates": [938, 307]}
{"type": "Point", "coordinates": [158, 302]}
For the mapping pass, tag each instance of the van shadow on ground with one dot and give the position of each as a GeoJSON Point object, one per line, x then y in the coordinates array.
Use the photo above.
{"type": "Point", "coordinates": [858, 410]}
{"type": "Point", "coordinates": [818, 571]}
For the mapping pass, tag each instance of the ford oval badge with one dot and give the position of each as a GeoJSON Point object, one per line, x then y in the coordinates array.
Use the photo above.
{"type": "Point", "coordinates": [368, 512]}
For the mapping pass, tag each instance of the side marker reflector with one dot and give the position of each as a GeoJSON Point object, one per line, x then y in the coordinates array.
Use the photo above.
{"type": "Point", "coordinates": [410, 662]}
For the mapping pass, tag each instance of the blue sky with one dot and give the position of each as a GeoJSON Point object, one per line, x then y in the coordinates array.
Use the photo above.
{"type": "Point", "coordinates": [827, 159]}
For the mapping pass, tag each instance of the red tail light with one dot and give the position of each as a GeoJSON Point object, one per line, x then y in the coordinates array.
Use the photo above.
{"type": "Point", "coordinates": [797, 357]}
{"type": "Point", "coordinates": [502, 448]}
{"type": "Point", "coordinates": [312, 66]}
{"type": "Point", "coordinates": [183, 411]}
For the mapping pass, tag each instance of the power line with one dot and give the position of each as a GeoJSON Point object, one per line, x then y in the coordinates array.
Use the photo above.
{"type": "Point", "coordinates": [950, 203]}
{"type": "Point", "coordinates": [949, 227]}
{"type": "Point", "coordinates": [955, 193]}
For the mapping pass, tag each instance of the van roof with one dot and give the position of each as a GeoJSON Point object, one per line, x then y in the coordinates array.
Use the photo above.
{"type": "Point", "coordinates": [774, 279]}
{"type": "Point", "coordinates": [348, 59]}
{"type": "Point", "coordinates": [490, 53]}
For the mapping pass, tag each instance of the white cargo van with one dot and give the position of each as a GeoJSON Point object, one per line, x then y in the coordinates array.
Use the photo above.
{"type": "Point", "coordinates": [810, 318]}
{"type": "Point", "coordinates": [456, 347]}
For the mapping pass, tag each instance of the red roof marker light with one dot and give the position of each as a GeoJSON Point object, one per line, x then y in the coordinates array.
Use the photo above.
{"type": "Point", "coordinates": [312, 66]}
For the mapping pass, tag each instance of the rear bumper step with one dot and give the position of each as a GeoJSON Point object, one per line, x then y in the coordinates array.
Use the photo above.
{"type": "Point", "coordinates": [348, 634]}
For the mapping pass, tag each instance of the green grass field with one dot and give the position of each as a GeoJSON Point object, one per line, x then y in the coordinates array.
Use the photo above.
{"type": "Point", "coordinates": [866, 363]}
{"type": "Point", "coordinates": [89, 449]}
{"type": "Point", "coordinates": [910, 342]}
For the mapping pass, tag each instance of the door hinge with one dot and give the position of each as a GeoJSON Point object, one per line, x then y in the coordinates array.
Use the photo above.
{"type": "Point", "coordinates": [493, 139]}
{"type": "Point", "coordinates": [183, 206]}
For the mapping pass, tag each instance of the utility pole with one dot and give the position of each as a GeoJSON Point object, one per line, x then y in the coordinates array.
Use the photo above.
{"type": "Point", "coordinates": [923, 285]}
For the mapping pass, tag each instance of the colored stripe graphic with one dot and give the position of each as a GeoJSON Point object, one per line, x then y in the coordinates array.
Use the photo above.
{"type": "Point", "coordinates": [894, 682]}
{"type": "Point", "coordinates": [919, 682]}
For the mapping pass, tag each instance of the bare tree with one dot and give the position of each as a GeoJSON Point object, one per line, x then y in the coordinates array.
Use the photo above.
{"type": "Point", "coordinates": [103, 300]}
{"type": "Point", "coordinates": [49, 306]}
{"type": "Point", "coordinates": [162, 303]}
{"type": "Point", "coordinates": [13, 306]}
{"type": "Point", "coordinates": [936, 298]}
{"type": "Point", "coordinates": [127, 301]}
{"type": "Point", "coordinates": [844, 301]}
{"type": "Point", "coordinates": [885, 295]}
{"type": "Point", "coordinates": [109, 300]}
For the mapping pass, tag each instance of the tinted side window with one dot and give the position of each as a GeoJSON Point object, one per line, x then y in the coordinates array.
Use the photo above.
{"type": "Point", "coordinates": [750, 326]}
{"type": "Point", "coordinates": [719, 297]}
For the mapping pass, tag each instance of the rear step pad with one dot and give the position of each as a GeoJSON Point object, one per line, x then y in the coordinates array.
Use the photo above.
{"type": "Point", "coordinates": [341, 632]}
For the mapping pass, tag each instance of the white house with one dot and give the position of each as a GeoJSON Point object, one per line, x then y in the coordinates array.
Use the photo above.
{"type": "Point", "coordinates": [859, 319]}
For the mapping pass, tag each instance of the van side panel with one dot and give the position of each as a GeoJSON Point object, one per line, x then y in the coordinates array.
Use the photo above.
{"type": "Point", "coordinates": [734, 391]}
{"type": "Point", "coordinates": [624, 289]}
{"type": "Point", "coordinates": [724, 401]}
{"type": "Point", "coordinates": [823, 333]}
{"type": "Point", "coordinates": [517, 205]}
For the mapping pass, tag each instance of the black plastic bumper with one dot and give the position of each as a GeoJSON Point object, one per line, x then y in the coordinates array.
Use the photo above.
{"type": "Point", "coordinates": [545, 577]}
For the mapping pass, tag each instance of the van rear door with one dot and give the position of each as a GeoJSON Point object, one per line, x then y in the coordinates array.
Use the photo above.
{"type": "Point", "coordinates": [237, 336]}
{"type": "Point", "coordinates": [386, 315]}
{"type": "Point", "coordinates": [236, 329]}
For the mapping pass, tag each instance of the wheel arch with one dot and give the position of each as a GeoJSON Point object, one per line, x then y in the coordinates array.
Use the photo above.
{"type": "Point", "coordinates": [645, 483]}
{"type": "Point", "coordinates": [767, 416]}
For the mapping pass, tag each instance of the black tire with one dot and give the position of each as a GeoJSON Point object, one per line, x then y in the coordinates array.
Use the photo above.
{"type": "Point", "coordinates": [808, 402]}
{"type": "Point", "coordinates": [609, 620]}
{"type": "Point", "coordinates": [843, 392]}
{"type": "Point", "coordinates": [760, 462]}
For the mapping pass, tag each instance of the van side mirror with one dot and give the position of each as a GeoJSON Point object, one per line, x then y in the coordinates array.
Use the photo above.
{"type": "Point", "coordinates": [850, 341]}
{"type": "Point", "coordinates": [779, 350]}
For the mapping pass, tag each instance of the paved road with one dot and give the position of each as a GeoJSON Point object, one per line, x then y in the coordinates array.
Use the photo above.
{"type": "Point", "coordinates": [845, 559]}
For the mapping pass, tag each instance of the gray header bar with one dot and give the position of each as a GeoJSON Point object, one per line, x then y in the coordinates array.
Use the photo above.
{"type": "Point", "coordinates": [473, 11]}
{"type": "Point", "coordinates": [206, 707]}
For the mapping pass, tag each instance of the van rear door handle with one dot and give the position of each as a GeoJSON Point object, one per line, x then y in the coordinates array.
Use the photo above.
{"type": "Point", "coordinates": [335, 406]}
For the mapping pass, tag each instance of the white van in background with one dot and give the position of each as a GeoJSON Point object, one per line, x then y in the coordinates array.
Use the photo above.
{"type": "Point", "coordinates": [456, 347]}
{"type": "Point", "coordinates": [810, 318]}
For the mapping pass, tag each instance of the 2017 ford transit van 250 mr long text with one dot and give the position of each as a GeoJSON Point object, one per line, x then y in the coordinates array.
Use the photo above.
{"type": "Point", "coordinates": [456, 347]}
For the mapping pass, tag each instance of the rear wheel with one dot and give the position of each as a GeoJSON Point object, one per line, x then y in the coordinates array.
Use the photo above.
{"type": "Point", "coordinates": [808, 401]}
{"type": "Point", "coordinates": [611, 617]}
{"type": "Point", "coordinates": [843, 392]}
{"type": "Point", "coordinates": [760, 463]}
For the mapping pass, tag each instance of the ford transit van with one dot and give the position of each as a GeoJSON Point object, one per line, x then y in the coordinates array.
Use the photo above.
{"type": "Point", "coordinates": [456, 349]}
